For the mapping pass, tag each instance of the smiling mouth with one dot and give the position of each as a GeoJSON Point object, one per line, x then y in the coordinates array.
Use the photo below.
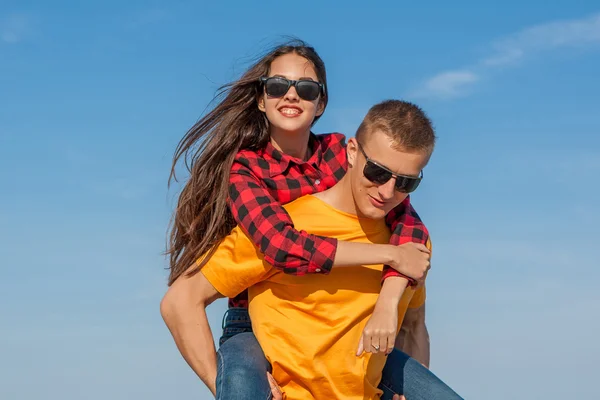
{"type": "Point", "coordinates": [377, 203]}
{"type": "Point", "coordinates": [290, 111]}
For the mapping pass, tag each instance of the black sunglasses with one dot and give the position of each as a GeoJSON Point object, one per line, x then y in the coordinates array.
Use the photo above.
{"type": "Point", "coordinates": [379, 174]}
{"type": "Point", "coordinates": [277, 86]}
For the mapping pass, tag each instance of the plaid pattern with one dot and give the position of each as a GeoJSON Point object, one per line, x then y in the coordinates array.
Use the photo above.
{"type": "Point", "coordinates": [261, 181]}
{"type": "Point", "coordinates": [406, 226]}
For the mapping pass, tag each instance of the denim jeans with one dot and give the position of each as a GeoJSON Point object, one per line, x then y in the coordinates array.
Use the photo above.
{"type": "Point", "coordinates": [241, 364]}
{"type": "Point", "coordinates": [405, 375]}
{"type": "Point", "coordinates": [242, 368]}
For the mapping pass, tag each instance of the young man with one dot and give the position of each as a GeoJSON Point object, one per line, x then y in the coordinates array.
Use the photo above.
{"type": "Point", "coordinates": [309, 328]}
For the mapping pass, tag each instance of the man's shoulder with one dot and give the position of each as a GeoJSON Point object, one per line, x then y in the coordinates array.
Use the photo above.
{"type": "Point", "coordinates": [307, 205]}
{"type": "Point", "coordinates": [237, 245]}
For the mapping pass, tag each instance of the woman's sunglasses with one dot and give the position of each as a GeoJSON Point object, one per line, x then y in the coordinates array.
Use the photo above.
{"type": "Point", "coordinates": [379, 174]}
{"type": "Point", "coordinates": [277, 86]}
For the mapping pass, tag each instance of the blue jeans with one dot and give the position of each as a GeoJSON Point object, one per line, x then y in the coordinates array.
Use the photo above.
{"type": "Point", "coordinates": [242, 368]}
{"type": "Point", "coordinates": [241, 364]}
{"type": "Point", "coordinates": [405, 375]}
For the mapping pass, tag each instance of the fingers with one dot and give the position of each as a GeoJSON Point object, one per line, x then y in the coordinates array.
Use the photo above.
{"type": "Point", "coordinates": [376, 344]}
{"type": "Point", "coordinates": [421, 247]}
{"type": "Point", "coordinates": [399, 397]}
{"type": "Point", "coordinates": [275, 390]}
{"type": "Point", "coordinates": [391, 341]}
{"type": "Point", "coordinates": [361, 347]}
{"type": "Point", "coordinates": [367, 340]}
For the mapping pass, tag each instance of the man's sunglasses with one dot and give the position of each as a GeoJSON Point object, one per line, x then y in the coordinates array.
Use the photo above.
{"type": "Point", "coordinates": [277, 86]}
{"type": "Point", "coordinates": [379, 174]}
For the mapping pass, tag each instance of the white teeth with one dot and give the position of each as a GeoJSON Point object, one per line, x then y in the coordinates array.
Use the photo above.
{"type": "Point", "coordinates": [290, 111]}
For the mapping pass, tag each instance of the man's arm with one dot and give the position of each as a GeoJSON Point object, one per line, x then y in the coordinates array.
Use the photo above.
{"type": "Point", "coordinates": [183, 309]}
{"type": "Point", "coordinates": [413, 338]}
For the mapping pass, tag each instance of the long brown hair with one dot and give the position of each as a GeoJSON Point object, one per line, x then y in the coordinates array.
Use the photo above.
{"type": "Point", "coordinates": [202, 218]}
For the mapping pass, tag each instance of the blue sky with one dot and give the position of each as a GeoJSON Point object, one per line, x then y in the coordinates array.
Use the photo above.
{"type": "Point", "coordinates": [94, 97]}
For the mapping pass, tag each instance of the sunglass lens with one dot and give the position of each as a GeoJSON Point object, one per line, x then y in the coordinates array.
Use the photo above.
{"type": "Point", "coordinates": [407, 185]}
{"type": "Point", "coordinates": [376, 174]}
{"type": "Point", "coordinates": [277, 87]}
{"type": "Point", "coordinates": [308, 90]}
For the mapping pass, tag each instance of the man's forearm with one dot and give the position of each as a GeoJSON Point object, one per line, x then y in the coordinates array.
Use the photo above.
{"type": "Point", "coordinates": [413, 338]}
{"type": "Point", "coordinates": [193, 337]}
{"type": "Point", "coordinates": [416, 344]}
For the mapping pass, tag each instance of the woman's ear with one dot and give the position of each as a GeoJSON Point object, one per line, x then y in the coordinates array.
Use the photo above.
{"type": "Point", "coordinates": [320, 107]}
{"type": "Point", "coordinates": [261, 103]}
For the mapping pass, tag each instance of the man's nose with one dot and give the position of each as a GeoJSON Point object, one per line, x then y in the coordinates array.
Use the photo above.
{"type": "Point", "coordinates": [386, 190]}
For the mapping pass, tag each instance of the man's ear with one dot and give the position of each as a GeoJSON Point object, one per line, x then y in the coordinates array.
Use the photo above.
{"type": "Point", "coordinates": [352, 152]}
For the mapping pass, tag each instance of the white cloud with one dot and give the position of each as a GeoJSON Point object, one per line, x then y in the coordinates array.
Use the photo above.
{"type": "Point", "coordinates": [511, 50]}
{"type": "Point", "coordinates": [448, 84]}
{"type": "Point", "coordinates": [543, 37]}
{"type": "Point", "coordinates": [15, 27]}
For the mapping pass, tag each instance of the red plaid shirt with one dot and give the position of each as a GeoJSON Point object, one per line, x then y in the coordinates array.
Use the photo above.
{"type": "Point", "coordinates": [261, 181]}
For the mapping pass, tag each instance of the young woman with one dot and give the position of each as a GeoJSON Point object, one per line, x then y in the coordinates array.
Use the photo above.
{"type": "Point", "coordinates": [251, 153]}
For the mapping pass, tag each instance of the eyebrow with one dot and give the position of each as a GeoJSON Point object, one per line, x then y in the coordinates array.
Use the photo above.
{"type": "Point", "coordinates": [302, 78]}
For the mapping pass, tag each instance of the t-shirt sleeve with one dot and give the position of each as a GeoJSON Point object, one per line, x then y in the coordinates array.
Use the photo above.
{"type": "Point", "coordinates": [418, 299]}
{"type": "Point", "coordinates": [236, 265]}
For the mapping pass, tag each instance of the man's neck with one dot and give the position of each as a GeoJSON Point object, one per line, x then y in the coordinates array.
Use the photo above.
{"type": "Point", "coordinates": [340, 196]}
{"type": "Point", "coordinates": [292, 144]}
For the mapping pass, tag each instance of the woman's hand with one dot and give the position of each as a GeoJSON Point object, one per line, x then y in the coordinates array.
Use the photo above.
{"type": "Point", "coordinates": [411, 259]}
{"type": "Point", "coordinates": [379, 335]}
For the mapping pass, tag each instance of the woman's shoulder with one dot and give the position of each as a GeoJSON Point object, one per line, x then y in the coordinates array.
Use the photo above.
{"type": "Point", "coordinates": [334, 139]}
{"type": "Point", "coordinates": [249, 157]}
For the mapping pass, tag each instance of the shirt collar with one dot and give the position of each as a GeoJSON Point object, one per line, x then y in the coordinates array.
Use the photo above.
{"type": "Point", "coordinates": [279, 162]}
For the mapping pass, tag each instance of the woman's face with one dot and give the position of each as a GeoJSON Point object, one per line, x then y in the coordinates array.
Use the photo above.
{"type": "Point", "coordinates": [290, 113]}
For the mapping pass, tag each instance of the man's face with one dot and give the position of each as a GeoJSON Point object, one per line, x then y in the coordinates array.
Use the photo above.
{"type": "Point", "coordinates": [373, 200]}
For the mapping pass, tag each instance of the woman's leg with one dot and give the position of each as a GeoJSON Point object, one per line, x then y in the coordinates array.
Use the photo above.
{"type": "Point", "coordinates": [405, 375]}
{"type": "Point", "coordinates": [241, 364]}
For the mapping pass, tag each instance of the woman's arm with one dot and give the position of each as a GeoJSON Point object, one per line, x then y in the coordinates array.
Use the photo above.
{"type": "Point", "coordinates": [298, 252]}
{"type": "Point", "coordinates": [406, 227]}
{"type": "Point", "coordinates": [379, 334]}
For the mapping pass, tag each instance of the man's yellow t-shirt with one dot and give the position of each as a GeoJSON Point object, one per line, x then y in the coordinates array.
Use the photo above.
{"type": "Point", "coordinates": [309, 326]}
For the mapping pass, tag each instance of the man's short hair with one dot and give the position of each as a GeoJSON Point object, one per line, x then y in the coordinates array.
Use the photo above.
{"type": "Point", "coordinates": [405, 123]}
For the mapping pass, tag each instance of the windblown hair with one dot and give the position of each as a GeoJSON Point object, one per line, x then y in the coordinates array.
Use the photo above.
{"type": "Point", "coordinates": [202, 218]}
